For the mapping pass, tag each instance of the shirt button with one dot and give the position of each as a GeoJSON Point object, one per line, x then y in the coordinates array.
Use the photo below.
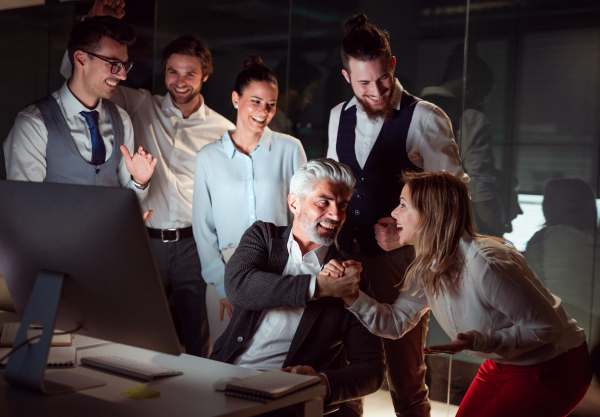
{"type": "Point", "coordinates": [298, 265]}
{"type": "Point", "coordinates": [266, 332]}
{"type": "Point", "coordinates": [252, 353]}
{"type": "Point", "coordinates": [358, 196]}
{"type": "Point", "coordinates": [361, 180]}
{"type": "Point", "coordinates": [240, 339]}
{"type": "Point", "coordinates": [357, 212]}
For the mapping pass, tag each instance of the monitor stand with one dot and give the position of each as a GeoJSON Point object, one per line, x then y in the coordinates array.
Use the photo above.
{"type": "Point", "coordinates": [27, 366]}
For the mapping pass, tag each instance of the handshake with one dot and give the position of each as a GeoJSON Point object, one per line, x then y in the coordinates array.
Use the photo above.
{"type": "Point", "coordinates": [339, 279]}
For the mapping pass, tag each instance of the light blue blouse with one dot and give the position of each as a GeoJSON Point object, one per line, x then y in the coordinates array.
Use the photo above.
{"type": "Point", "coordinates": [233, 190]}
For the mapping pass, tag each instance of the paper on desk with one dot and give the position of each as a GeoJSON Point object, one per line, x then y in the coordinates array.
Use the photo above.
{"type": "Point", "coordinates": [141, 392]}
{"type": "Point", "coordinates": [58, 357]}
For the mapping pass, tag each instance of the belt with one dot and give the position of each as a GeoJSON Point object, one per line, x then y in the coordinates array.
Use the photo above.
{"type": "Point", "coordinates": [170, 235]}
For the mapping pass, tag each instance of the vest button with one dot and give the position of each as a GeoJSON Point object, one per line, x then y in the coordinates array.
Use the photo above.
{"type": "Point", "coordinates": [361, 180]}
{"type": "Point", "coordinates": [356, 228]}
{"type": "Point", "coordinates": [357, 212]}
{"type": "Point", "coordinates": [359, 196]}
{"type": "Point", "coordinates": [240, 339]}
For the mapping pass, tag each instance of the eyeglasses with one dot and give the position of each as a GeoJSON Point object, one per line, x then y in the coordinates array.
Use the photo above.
{"type": "Point", "coordinates": [115, 66]}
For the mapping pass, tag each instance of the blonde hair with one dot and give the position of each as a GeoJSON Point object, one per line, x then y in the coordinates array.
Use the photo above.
{"type": "Point", "coordinates": [443, 205]}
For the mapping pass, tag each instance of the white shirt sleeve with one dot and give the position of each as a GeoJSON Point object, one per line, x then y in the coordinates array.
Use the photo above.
{"type": "Point", "coordinates": [430, 143]}
{"type": "Point", "coordinates": [25, 147]}
{"type": "Point", "coordinates": [476, 150]}
{"type": "Point", "coordinates": [334, 123]}
{"type": "Point", "coordinates": [510, 289]}
{"type": "Point", "coordinates": [205, 232]}
{"type": "Point", "coordinates": [124, 176]}
{"type": "Point", "coordinates": [391, 321]}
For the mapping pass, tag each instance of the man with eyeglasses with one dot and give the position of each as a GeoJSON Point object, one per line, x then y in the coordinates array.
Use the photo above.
{"type": "Point", "coordinates": [174, 127]}
{"type": "Point", "coordinates": [76, 135]}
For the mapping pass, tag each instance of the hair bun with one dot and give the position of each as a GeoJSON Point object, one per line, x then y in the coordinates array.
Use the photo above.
{"type": "Point", "coordinates": [356, 22]}
{"type": "Point", "coordinates": [252, 61]}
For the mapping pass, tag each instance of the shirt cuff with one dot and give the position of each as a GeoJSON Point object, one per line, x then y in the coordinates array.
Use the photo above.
{"type": "Point", "coordinates": [221, 291]}
{"type": "Point", "coordinates": [328, 392]}
{"type": "Point", "coordinates": [310, 296]}
{"type": "Point", "coordinates": [361, 305]}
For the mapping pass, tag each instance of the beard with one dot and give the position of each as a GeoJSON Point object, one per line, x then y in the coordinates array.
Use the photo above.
{"type": "Point", "coordinates": [385, 112]}
{"type": "Point", "coordinates": [311, 228]}
{"type": "Point", "coordinates": [185, 99]}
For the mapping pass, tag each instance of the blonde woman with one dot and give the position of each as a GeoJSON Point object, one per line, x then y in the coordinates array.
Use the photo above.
{"type": "Point", "coordinates": [487, 300]}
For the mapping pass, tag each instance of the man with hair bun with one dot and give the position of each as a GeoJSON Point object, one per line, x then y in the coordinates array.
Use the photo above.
{"type": "Point", "coordinates": [284, 316]}
{"type": "Point", "coordinates": [379, 133]}
{"type": "Point", "coordinates": [174, 127]}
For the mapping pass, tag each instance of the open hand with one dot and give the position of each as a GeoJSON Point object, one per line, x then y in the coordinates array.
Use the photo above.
{"type": "Point", "coordinates": [140, 166]}
{"type": "Point", "coordinates": [386, 234]}
{"type": "Point", "coordinates": [464, 341]}
{"type": "Point", "coordinates": [224, 305]}
{"type": "Point", "coordinates": [114, 8]}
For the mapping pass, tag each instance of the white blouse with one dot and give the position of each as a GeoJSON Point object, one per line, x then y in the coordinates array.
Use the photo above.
{"type": "Point", "coordinates": [514, 317]}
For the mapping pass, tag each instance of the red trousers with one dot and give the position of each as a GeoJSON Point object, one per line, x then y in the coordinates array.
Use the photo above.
{"type": "Point", "coordinates": [549, 389]}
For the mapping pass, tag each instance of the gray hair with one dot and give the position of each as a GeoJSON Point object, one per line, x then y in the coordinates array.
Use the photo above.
{"type": "Point", "coordinates": [305, 179]}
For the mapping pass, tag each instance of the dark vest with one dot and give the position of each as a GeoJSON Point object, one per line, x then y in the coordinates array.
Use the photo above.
{"type": "Point", "coordinates": [378, 184]}
{"type": "Point", "coordinates": [64, 163]}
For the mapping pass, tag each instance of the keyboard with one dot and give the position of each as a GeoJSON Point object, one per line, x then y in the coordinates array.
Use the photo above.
{"type": "Point", "coordinates": [129, 367]}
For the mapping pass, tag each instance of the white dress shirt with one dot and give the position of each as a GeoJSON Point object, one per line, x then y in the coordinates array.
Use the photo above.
{"type": "Point", "coordinates": [232, 190]}
{"type": "Point", "coordinates": [25, 146]}
{"type": "Point", "coordinates": [430, 143]}
{"type": "Point", "coordinates": [269, 345]}
{"type": "Point", "coordinates": [161, 130]}
{"type": "Point", "coordinates": [475, 139]}
{"type": "Point", "coordinates": [515, 319]}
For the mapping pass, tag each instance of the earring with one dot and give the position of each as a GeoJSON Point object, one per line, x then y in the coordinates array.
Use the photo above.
{"type": "Point", "coordinates": [235, 106]}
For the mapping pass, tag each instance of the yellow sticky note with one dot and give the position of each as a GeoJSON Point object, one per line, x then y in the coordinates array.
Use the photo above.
{"type": "Point", "coordinates": [141, 392]}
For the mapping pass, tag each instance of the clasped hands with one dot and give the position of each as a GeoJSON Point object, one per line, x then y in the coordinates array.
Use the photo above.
{"type": "Point", "coordinates": [339, 279]}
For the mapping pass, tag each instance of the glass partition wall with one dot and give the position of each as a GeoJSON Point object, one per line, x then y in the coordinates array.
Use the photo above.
{"type": "Point", "coordinates": [522, 95]}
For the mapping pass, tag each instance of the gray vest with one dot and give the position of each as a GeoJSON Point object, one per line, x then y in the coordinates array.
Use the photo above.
{"type": "Point", "coordinates": [64, 163]}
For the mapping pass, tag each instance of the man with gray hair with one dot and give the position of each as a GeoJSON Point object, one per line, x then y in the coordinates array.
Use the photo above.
{"type": "Point", "coordinates": [283, 315]}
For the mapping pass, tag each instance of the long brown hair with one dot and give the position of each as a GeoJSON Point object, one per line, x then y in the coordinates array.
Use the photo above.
{"type": "Point", "coordinates": [443, 205]}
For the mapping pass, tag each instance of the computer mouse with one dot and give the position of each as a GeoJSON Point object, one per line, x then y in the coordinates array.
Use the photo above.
{"type": "Point", "coordinates": [221, 384]}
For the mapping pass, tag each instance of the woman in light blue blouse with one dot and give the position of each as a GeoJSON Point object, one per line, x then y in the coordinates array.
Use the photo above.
{"type": "Point", "coordinates": [241, 178]}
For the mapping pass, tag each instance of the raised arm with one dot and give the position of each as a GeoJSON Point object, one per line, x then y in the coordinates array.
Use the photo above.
{"type": "Point", "coordinates": [249, 284]}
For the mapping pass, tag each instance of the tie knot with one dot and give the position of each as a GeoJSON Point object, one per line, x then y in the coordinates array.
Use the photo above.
{"type": "Point", "coordinates": [91, 117]}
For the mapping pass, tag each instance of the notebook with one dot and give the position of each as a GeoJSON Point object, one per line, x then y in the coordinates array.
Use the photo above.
{"type": "Point", "coordinates": [9, 334]}
{"type": "Point", "coordinates": [269, 385]}
{"type": "Point", "coordinates": [58, 357]}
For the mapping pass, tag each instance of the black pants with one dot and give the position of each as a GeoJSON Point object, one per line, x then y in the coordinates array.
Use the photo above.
{"type": "Point", "coordinates": [181, 274]}
{"type": "Point", "coordinates": [404, 358]}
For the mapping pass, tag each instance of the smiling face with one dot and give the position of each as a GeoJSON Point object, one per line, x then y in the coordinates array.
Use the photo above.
{"type": "Point", "coordinates": [407, 219]}
{"type": "Point", "coordinates": [98, 80]}
{"type": "Point", "coordinates": [319, 217]}
{"type": "Point", "coordinates": [373, 84]}
{"type": "Point", "coordinates": [184, 78]}
{"type": "Point", "coordinates": [256, 106]}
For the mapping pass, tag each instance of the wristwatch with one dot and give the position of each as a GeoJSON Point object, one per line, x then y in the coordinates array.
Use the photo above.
{"type": "Point", "coordinates": [138, 185]}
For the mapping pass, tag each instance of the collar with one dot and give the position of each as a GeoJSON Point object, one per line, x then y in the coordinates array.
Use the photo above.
{"type": "Point", "coordinates": [168, 105]}
{"type": "Point", "coordinates": [397, 97]}
{"type": "Point", "coordinates": [265, 142]}
{"type": "Point", "coordinates": [72, 106]}
{"type": "Point", "coordinates": [438, 91]}
{"type": "Point", "coordinates": [320, 252]}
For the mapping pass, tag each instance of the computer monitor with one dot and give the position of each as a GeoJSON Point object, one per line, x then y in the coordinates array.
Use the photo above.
{"type": "Point", "coordinates": [74, 256]}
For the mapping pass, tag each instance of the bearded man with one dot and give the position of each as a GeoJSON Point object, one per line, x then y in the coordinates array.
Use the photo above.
{"type": "Point", "coordinates": [380, 132]}
{"type": "Point", "coordinates": [283, 316]}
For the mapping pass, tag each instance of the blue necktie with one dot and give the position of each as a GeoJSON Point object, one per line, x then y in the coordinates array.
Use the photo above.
{"type": "Point", "coordinates": [98, 148]}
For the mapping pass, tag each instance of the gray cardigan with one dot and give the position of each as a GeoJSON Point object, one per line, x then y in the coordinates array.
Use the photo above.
{"type": "Point", "coordinates": [328, 338]}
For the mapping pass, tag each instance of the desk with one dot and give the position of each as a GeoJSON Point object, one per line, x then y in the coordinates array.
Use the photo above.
{"type": "Point", "coordinates": [190, 394]}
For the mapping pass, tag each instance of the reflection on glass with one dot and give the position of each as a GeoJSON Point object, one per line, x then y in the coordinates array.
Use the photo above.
{"type": "Point", "coordinates": [562, 252]}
